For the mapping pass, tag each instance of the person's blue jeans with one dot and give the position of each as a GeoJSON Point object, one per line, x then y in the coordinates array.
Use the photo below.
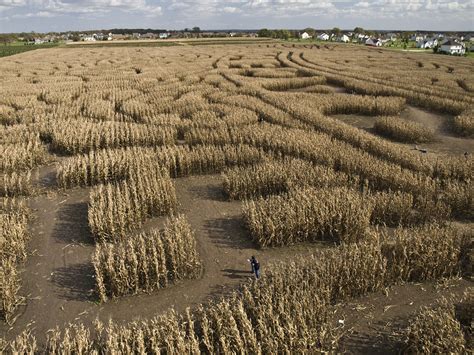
{"type": "Point", "coordinates": [257, 273]}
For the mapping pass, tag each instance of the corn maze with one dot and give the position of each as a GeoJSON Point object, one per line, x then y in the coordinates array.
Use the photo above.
{"type": "Point", "coordinates": [128, 129]}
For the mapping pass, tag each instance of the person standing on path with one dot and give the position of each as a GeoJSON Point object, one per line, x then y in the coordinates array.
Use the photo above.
{"type": "Point", "coordinates": [255, 266]}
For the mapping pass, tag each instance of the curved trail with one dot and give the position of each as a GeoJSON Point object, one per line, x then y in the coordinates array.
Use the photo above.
{"type": "Point", "coordinates": [59, 278]}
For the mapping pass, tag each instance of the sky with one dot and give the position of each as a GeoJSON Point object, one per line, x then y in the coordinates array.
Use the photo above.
{"type": "Point", "coordinates": [72, 15]}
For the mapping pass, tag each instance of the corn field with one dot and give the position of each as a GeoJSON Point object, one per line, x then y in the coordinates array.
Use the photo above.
{"type": "Point", "coordinates": [115, 209]}
{"type": "Point", "coordinates": [13, 241]}
{"type": "Point", "coordinates": [308, 215]}
{"type": "Point", "coordinates": [154, 260]}
{"type": "Point", "coordinates": [127, 124]}
{"type": "Point", "coordinates": [403, 130]}
{"type": "Point", "coordinates": [444, 328]}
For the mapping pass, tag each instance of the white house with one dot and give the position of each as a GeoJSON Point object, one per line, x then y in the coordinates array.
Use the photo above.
{"type": "Point", "coordinates": [374, 42]}
{"type": "Point", "coordinates": [427, 44]}
{"type": "Point", "coordinates": [323, 37]}
{"type": "Point", "coordinates": [416, 38]}
{"type": "Point", "coordinates": [344, 38]}
{"type": "Point", "coordinates": [305, 35]}
{"type": "Point", "coordinates": [451, 46]}
{"type": "Point", "coordinates": [89, 39]}
{"type": "Point", "coordinates": [163, 35]}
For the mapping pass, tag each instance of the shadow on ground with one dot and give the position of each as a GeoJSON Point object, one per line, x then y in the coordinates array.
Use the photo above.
{"type": "Point", "coordinates": [388, 338]}
{"type": "Point", "coordinates": [75, 282]}
{"type": "Point", "coordinates": [209, 192]}
{"type": "Point", "coordinates": [237, 274]}
{"type": "Point", "coordinates": [229, 233]}
{"type": "Point", "coordinates": [72, 225]}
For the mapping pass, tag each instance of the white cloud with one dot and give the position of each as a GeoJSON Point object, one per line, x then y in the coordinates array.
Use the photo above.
{"type": "Point", "coordinates": [231, 10]}
{"type": "Point", "coordinates": [244, 13]}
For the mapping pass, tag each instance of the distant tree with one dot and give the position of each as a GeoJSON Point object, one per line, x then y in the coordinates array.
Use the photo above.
{"type": "Point", "coordinates": [336, 31]}
{"type": "Point", "coordinates": [359, 30]}
{"type": "Point", "coordinates": [310, 31]}
{"type": "Point", "coordinates": [75, 37]}
{"type": "Point", "coordinates": [6, 39]}
{"type": "Point", "coordinates": [264, 32]}
{"type": "Point", "coordinates": [282, 34]}
{"type": "Point", "coordinates": [196, 29]}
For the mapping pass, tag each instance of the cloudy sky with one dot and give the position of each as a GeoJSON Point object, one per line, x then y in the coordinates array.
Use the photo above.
{"type": "Point", "coordinates": [63, 15]}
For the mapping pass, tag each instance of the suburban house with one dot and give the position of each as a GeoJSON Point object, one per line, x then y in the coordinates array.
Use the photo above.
{"type": "Point", "coordinates": [305, 35]}
{"type": "Point", "coordinates": [427, 44]}
{"type": "Point", "coordinates": [361, 37]}
{"type": "Point", "coordinates": [148, 35]}
{"type": "Point", "coordinates": [451, 46]}
{"type": "Point", "coordinates": [344, 38]}
{"type": "Point", "coordinates": [416, 38]}
{"type": "Point", "coordinates": [163, 35]}
{"type": "Point", "coordinates": [323, 37]}
{"type": "Point", "coordinates": [89, 39]}
{"type": "Point", "coordinates": [374, 42]}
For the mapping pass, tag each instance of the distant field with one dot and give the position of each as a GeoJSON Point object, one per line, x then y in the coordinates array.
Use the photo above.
{"type": "Point", "coordinates": [168, 42]}
{"type": "Point", "coordinates": [17, 48]}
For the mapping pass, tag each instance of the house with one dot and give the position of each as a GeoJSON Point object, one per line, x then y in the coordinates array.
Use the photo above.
{"type": "Point", "coordinates": [323, 37]}
{"type": "Point", "coordinates": [99, 36]}
{"type": "Point", "coordinates": [427, 44]}
{"type": "Point", "coordinates": [39, 41]}
{"type": "Point", "coordinates": [305, 35]}
{"type": "Point", "coordinates": [89, 39]}
{"type": "Point", "coordinates": [374, 42]}
{"type": "Point", "coordinates": [344, 38]}
{"type": "Point", "coordinates": [391, 36]}
{"type": "Point", "coordinates": [452, 46]}
{"type": "Point", "coordinates": [148, 35]}
{"type": "Point", "coordinates": [164, 35]}
{"type": "Point", "coordinates": [361, 37]}
{"type": "Point", "coordinates": [416, 38]}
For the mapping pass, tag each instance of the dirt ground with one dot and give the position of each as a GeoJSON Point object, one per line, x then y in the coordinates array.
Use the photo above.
{"type": "Point", "coordinates": [377, 323]}
{"type": "Point", "coordinates": [445, 143]}
{"type": "Point", "coordinates": [58, 278]}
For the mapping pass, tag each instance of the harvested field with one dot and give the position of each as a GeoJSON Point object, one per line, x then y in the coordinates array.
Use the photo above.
{"type": "Point", "coordinates": [136, 182]}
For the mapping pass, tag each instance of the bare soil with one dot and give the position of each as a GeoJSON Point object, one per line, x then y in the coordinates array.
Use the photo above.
{"type": "Point", "coordinates": [445, 142]}
{"type": "Point", "coordinates": [377, 323]}
{"type": "Point", "coordinates": [58, 276]}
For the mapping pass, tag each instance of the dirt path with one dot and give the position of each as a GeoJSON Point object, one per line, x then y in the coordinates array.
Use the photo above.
{"type": "Point", "coordinates": [446, 143]}
{"type": "Point", "coordinates": [59, 278]}
{"type": "Point", "coordinates": [376, 324]}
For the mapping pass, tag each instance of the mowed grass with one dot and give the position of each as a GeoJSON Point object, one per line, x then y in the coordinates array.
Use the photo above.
{"type": "Point", "coordinates": [16, 48]}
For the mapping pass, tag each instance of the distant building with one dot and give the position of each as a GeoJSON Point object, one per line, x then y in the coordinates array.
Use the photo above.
{"type": "Point", "coordinates": [89, 39]}
{"type": "Point", "coordinates": [148, 36]}
{"type": "Point", "coordinates": [427, 44]}
{"type": "Point", "coordinates": [416, 38]}
{"type": "Point", "coordinates": [305, 35]}
{"type": "Point", "coordinates": [323, 37]}
{"type": "Point", "coordinates": [344, 38]}
{"type": "Point", "coordinates": [373, 42]}
{"type": "Point", "coordinates": [452, 46]}
{"type": "Point", "coordinates": [164, 35]}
